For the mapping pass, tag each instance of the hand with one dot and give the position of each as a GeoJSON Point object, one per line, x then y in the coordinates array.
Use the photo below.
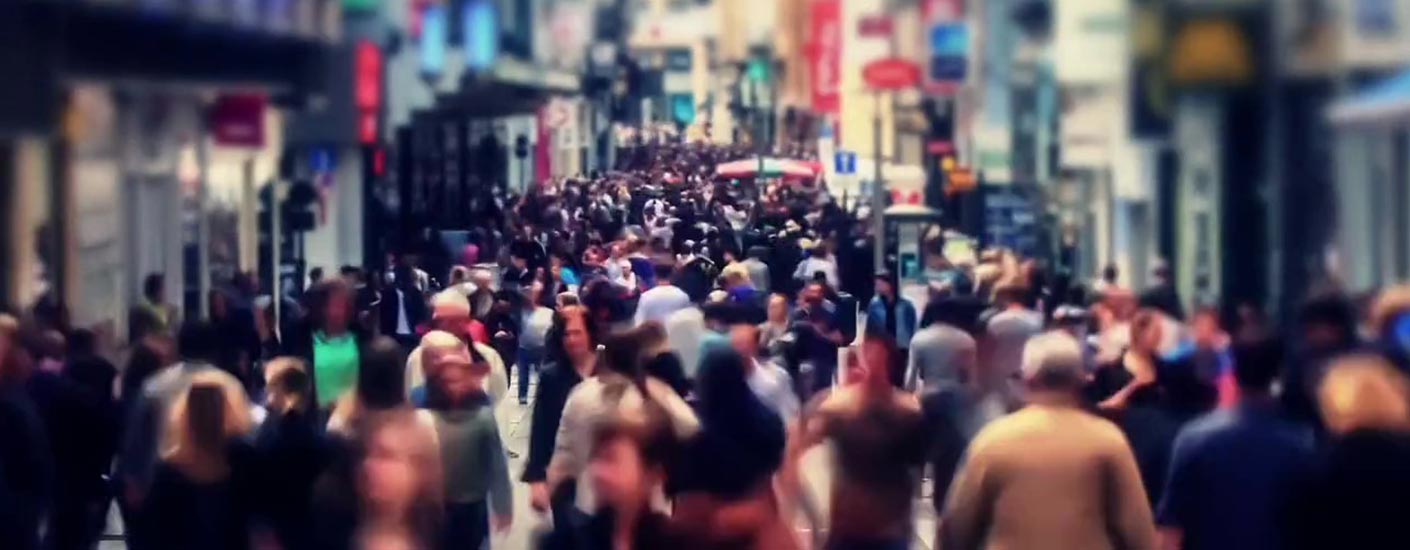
{"type": "Point", "coordinates": [1113, 403]}
{"type": "Point", "coordinates": [538, 496]}
{"type": "Point", "coordinates": [501, 522]}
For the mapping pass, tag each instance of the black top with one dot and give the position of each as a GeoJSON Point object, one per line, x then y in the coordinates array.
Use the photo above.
{"type": "Point", "coordinates": [555, 382]}
{"type": "Point", "coordinates": [26, 470]}
{"type": "Point", "coordinates": [292, 452]}
{"type": "Point", "coordinates": [212, 515]}
{"type": "Point", "coordinates": [666, 367]}
{"type": "Point", "coordinates": [1357, 497]}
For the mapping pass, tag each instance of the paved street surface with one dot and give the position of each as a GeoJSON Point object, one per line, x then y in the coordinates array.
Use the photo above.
{"type": "Point", "coordinates": [514, 422]}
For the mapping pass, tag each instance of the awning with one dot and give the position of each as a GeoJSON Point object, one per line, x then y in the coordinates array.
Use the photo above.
{"type": "Point", "coordinates": [1385, 101]}
{"type": "Point", "coordinates": [771, 167]}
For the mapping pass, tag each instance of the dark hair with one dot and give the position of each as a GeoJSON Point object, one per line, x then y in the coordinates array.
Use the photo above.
{"type": "Point", "coordinates": [152, 284]}
{"type": "Point", "coordinates": [554, 339]}
{"type": "Point", "coordinates": [1257, 363]}
{"type": "Point", "coordinates": [663, 271]}
{"type": "Point", "coordinates": [322, 294]}
{"type": "Point", "coordinates": [82, 342]}
{"type": "Point", "coordinates": [292, 381]}
{"type": "Point", "coordinates": [944, 310]}
{"type": "Point", "coordinates": [621, 353]}
{"type": "Point", "coordinates": [381, 374]}
{"type": "Point", "coordinates": [1329, 308]}
{"type": "Point", "coordinates": [142, 363]}
{"type": "Point", "coordinates": [315, 274]}
{"type": "Point", "coordinates": [1109, 273]}
{"type": "Point", "coordinates": [198, 341]}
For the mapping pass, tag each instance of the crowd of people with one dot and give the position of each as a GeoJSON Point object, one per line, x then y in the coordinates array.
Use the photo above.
{"type": "Point", "coordinates": [682, 341]}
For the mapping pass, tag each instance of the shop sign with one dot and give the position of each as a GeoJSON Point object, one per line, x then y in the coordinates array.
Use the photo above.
{"type": "Point", "coordinates": [874, 26]}
{"type": "Point", "coordinates": [892, 73]}
{"type": "Point", "coordinates": [237, 120]}
{"type": "Point", "coordinates": [433, 40]}
{"type": "Point", "coordinates": [678, 59]}
{"type": "Point", "coordinates": [825, 56]}
{"type": "Point", "coordinates": [368, 75]}
{"type": "Point", "coordinates": [481, 29]}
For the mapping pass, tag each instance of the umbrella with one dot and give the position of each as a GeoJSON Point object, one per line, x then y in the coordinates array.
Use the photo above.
{"type": "Point", "coordinates": [772, 167]}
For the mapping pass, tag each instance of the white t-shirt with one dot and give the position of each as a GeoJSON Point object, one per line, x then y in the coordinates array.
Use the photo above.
{"type": "Point", "coordinates": [659, 303]}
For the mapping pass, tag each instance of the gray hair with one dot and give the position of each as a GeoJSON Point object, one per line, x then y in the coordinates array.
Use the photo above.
{"type": "Point", "coordinates": [1053, 360]}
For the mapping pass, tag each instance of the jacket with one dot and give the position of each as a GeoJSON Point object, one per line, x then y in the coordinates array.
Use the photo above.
{"type": "Point", "coordinates": [905, 313]}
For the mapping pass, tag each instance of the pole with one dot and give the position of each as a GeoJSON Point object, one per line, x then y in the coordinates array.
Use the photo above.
{"type": "Point", "coordinates": [203, 230]}
{"type": "Point", "coordinates": [276, 239]}
{"type": "Point", "coordinates": [878, 196]}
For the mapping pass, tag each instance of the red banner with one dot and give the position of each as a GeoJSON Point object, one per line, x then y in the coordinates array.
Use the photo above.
{"type": "Point", "coordinates": [237, 120]}
{"type": "Point", "coordinates": [825, 57]}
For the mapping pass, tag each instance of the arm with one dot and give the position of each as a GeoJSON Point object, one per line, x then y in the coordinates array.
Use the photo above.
{"type": "Point", "coordinates": [1177, 498]}
{"type": "Point", "coordinates": [568, 459]}
{"type": "Point", "coordinates": [966, 519]}
{"type": "Point", "coordinates": [1128, 513]}
{"type": "Point", "coordinates": [913, 369]}
{"type": "Point", "coordinates": [501, 495]}
{"type": "Point", "coordinates": [547, 413]}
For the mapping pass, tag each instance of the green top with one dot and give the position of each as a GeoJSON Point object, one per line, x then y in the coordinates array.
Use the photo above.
{"type": "Point", "coordinates": [473, 457]}
{"type": "Point", "coordinates": [335, 363]}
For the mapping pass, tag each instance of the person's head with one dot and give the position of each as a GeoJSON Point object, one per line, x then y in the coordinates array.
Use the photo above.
{"type": "Point", "coordinates": [1328, 321]}
{"type": "Point", "coordinates": [211, 413]}
{"type": "Point", "coordinates": [331, 306]}
{"type": "Point", "coordinates": [198, 341]}
{"type": "Point", "coordinates": [873, 368]}
{"type": "Point", "coordinates": [1364, 392]}
{"type": "Point", "coordinates": [381, 374]}
{"type": "Point", "coordinates": [778, 308]}
{"type": "Point", "coordinates": [154, 287]}
{"type": "Point", "coordinates": [628, 460]}
{"type": "Point", "coordinates": [663, 272]}
{"type": "Point", "coordinates": [483, 279]}
{"type": "Point", "coordinates": [450, 312]}
{"type": "Point", "coordinates": [1052, 362]}
{"type": "Point", "coordinates": [460, 371]}
{"type": "Point", "coordinates": [518, 260]}
{"type": "Point", "coordinates": [1146, 332]}
{"type": "Point", "coordinates": [1388, 313]}
{"type": "Point", "coordinates": [744, 338]}
{"type": "Point", "coordinates": [729, 256]}
{"type": "Point", "coordinates": [351, 275]}
{"type": "Point", "coordinates": [651, 336]}
{"type": "Point", "coordinates": [621, 354]}
{"type": "Point", "coordinates": [884, 285]}
{"type": "Point", "coordinates": [1256, 364]}
{"type": "Point", "coordinates": [1010, 295]}
{"type": "Point", "coordinates": [1160, 274]}
{"type": "Point", "coordinates": [459, 275]}
{"type": "Point", "coordinates": [565, 299]}
{"type": "Point", "coordinates": [287, 385]}
{"type": "Point", "coordinates": [1205, 327]}
{"type": "Point", "coordinates": [576, 333]}
{"type": "Point", "coordinates": [315, 275]}
{"type": "Point", "coordinates": [1110, 273]}
{"type": "Point", "coordinates": [814, 294]}
{"type": "Point", "coordinates": [400, 473]}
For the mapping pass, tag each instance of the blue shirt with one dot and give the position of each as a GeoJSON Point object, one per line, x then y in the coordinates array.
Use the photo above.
{"type": "Point", "coordinates": [1231, 475]}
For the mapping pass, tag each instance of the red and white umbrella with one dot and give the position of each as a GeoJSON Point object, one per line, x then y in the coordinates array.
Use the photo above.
{"type": "Point", "coordinates": [767, 167]}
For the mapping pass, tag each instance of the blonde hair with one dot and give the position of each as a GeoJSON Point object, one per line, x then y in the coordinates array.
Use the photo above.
{"type": "Point", "coordinates": [182, 445]}
{"type": "Point", "coordinates": [423, 517]}
{"type": "Point", "coordinates": [1389, 304]}
{"type": "Point", "coordinates": [1364, 392]}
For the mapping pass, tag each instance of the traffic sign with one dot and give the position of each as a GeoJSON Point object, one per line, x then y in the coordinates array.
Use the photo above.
{"type": "Point", "coordinates": [891, 73]}
{"type": "Point", "coordinates": [845, 162]}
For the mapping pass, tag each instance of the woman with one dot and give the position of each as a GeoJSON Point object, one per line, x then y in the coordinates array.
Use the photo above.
{"type": "Point", "coordinates": [617, 385]}
{"type": "Point", "coordinates": [563, 278]}
{"type": "Point", "coordinates": [774, 327]}
{"type": "Point", "coordinates": [380, 387]}
{"type": "Point", "coordinates": [330, 342]}
{"type": "Point", "coordinates": [658, 361]}
{"type": "Point", "coordinates": [627, 468]}
{"type": "Point", "coordinates": [725, 496]}
{"type": "Point", "coordinates": [536, 319]}
{"type": "Point", "coordinates": [572, 348]}
{"type": "Point", "coordinates": [394, 498]}
{"type": "Point", "coordinates": [476, 483]}
{"type": "Point", "coordinates": [1356, 497]}
{"type": "Point", "coordinates": [202, 488]}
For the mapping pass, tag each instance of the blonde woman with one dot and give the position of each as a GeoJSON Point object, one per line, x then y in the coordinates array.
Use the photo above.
{"type": "Point", "coordinates": [201, 491]}
{"type": "Point", "coordinates": [391, 498]}
{"type": "Point", "coordinates": [1357, 496]}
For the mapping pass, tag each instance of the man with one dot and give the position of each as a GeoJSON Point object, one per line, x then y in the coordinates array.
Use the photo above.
{"type": "Point", "coordinates": [661, 301]}
{"type": "Point", "coordinates": [1007, 331]}
{"type": "Point", "coordinates": [1018, 468]}
{"type": "Point", "coordinates": [943, 355]}
{"type": "Point", "coordinates": [402, 308]}
{"type": "Point", "coordinates": [758, 269]}
{"type": "Point", "coordinates": [452, 316]}
{"type": "Point", "coordinates": [1162, 294]}
{"type": "Point", "coordinates": [769, 382]}
{"type": "Point", "coordinates": [1233, 471]}
{"type": "Point", "coordinates": [152, 315]}
{"type": "Point", "coordinates": [894, 317]}
{"type": "Point", "coordinates": [819, 261]}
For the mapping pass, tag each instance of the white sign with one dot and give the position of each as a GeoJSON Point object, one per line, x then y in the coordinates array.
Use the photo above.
{"type": "Point", "coordinates": [1090, 41]}
{"type": "Point", "coordinates": [1375, 33]}
{"type": "Point", "coordinates": [1088, 126]}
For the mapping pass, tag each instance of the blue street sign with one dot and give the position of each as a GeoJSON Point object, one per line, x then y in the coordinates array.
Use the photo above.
{"type": "Point", "coordinates": [845, 162]}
